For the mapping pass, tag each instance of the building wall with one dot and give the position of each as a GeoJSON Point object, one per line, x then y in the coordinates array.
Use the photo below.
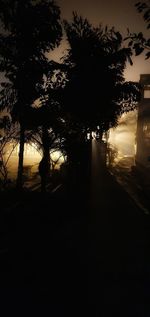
{"type": "Point", "coordinates": [143, 124]}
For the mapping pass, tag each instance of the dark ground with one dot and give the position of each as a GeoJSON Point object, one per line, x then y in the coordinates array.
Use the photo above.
{"type": "Point", "coordinates": [77, 252]}
{"type": "Point", "coordinates": [44, 256]}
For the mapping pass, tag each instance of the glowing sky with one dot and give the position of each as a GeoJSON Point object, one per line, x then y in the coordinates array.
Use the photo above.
{"type": "Point", "coordinates": [119, 13]}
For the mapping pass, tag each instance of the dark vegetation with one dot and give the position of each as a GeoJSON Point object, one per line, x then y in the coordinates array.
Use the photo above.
{"type": "Point", "coordinates": [58, 256]}
{"type": "Point", "coordinates": [56, 104]}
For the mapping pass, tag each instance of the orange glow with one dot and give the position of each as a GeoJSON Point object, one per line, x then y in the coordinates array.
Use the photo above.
{"type": "Point", "coordinates": [32, 158]}
{"type": "Point", "coordinates": [123, 137]}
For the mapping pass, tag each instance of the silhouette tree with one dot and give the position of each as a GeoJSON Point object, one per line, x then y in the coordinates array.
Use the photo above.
{"type": "Point", "coordinates": [30, 29]}
{"type": "Point", "coordinates": [137, 40]}
{"type": "Point", "coordinates": [96, 93]}
{"type": "Point", "coordinates": [49, 114]}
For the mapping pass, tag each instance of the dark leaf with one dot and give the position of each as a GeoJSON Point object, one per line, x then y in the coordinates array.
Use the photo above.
{"type": "Point", "coordinates": [138, 49]}
{"type": "Point", "coordinates": [130, 43]}
{"type": "Point", "coordinates": [147, 55]}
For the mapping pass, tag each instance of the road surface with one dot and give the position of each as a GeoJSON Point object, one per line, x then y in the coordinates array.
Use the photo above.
{"type": "Point", "coordinates": [120, 246]}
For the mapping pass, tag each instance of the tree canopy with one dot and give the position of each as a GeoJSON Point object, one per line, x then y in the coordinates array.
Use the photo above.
{"type": "Point", "coordinates": [30, 29]}
{"type": "Point", "coordinates": [87, 90]}
{"type": "Point", "coordinates": [96, 92]}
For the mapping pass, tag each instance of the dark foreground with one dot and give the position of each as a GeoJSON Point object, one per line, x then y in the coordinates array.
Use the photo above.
{"type": "Point", "coordinates": [74, 253]}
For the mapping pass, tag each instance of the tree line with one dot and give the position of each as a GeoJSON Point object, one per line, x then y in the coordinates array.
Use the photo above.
{"type": "Point", "coordinates": [58, 103]}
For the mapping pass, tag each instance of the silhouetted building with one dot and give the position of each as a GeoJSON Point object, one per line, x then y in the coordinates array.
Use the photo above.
{"type": "Point", "coordinates": [143, 129]}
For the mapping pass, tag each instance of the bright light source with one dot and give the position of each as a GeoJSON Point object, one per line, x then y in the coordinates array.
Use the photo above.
{"type": "Point", "coordinates": [88, 136]}
{"type": "Point", "coordinates": [57, 157]}
{"type": "Point", "coordinates": [122, 138]}
{"type": "Point", "coordinates": [32, 157]}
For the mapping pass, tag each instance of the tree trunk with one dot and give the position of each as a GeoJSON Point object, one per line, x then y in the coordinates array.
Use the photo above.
{"type": "Point", "coordinates": [19, 182]}
{"type": "Point", "coordinates": [45, 141]}
{"type": "Point", "coordinates": [45, 162]}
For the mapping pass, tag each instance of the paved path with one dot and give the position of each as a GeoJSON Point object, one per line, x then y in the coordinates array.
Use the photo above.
{"type": "Point", "coordinates": [120, 247]}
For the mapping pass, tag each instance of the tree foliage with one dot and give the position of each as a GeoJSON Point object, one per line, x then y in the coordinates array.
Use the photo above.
{"type": "Point", "coordinates": [137, 41]}
{"type": "Point", "coordinates": [30, 29]}
{"type": "Point", "coordinates": [96, 92]}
